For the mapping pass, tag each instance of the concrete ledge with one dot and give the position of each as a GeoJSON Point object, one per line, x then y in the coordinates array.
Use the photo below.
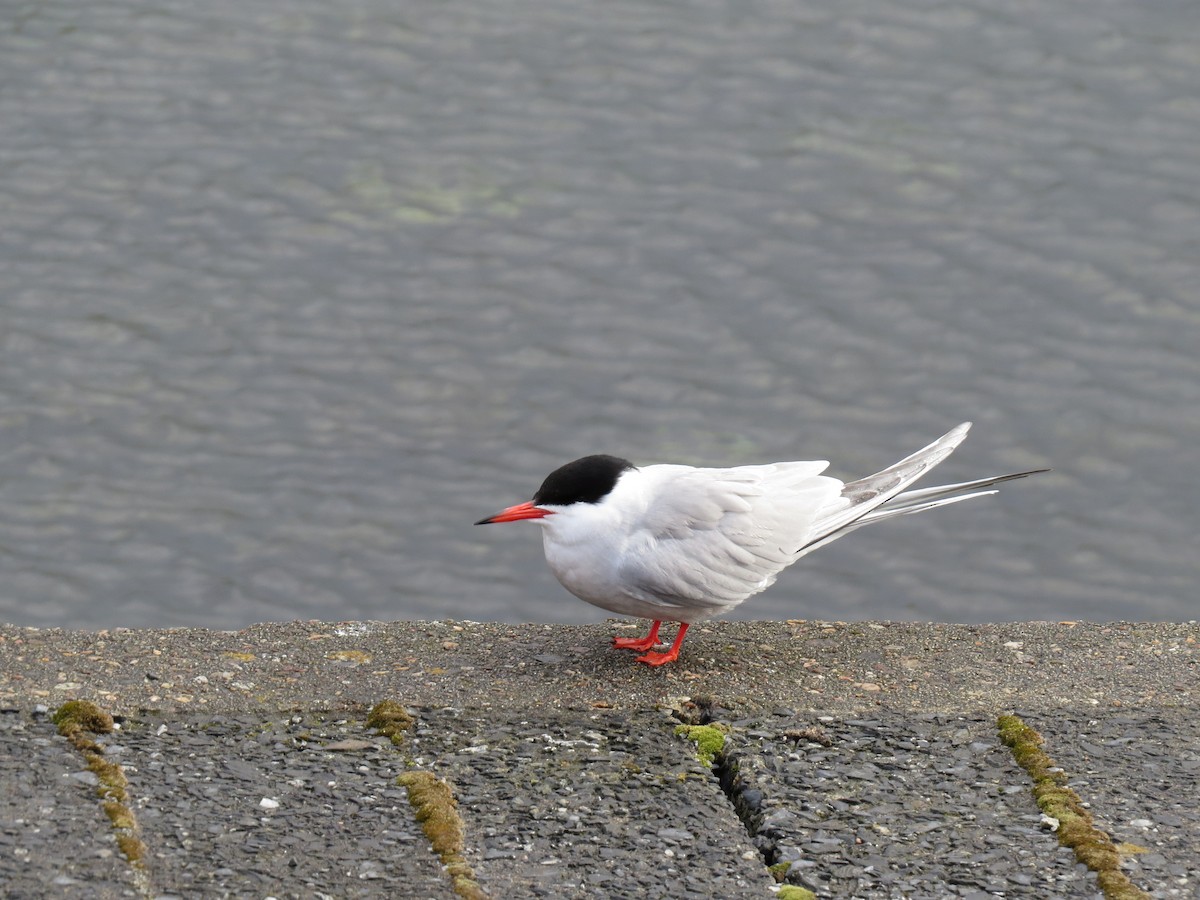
{"type": "Point", "coordinates": [860, 759]}
{"type": "Point", "coordinates": [746, 665]}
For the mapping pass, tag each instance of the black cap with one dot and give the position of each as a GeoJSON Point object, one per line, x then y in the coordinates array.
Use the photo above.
{"type": "Point", "coordinates": [586, 480]}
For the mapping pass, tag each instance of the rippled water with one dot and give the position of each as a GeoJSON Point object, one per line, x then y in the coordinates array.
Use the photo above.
{"type": "Point", "coordinates": [290, 294]}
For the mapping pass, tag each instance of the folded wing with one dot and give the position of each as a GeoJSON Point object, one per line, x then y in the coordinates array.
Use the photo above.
{"type": "Point", "coordinates": [714, 537]}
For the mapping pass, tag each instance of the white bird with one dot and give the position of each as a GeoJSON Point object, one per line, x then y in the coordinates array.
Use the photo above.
{"type": "Point", "coordinates": [682, 544]}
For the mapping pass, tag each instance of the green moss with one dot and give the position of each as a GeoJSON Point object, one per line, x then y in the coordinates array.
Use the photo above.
{"type": "Point", "coordinates": [112, 778]}
{"type": "Point", "coordinates": [390, 719]}
{"type": "Point", "coordinates": [709, 740]}
{"type": "Point", "coordinates": [779, 871]}
{"type": "Point", "coordinates": [118, 814]}
{"type": "Point", "coordinates": [132, 847]}
{"type": "Point", "coordinates": [1117, 887]}
{"type": "Point", "coordinates": [432, 801]}
{"type": "Point", "coordinates": [76, 719]}
{"type": "Point", "coordinates": [436, 809]}
{"type": "Point", "coordinates": [82, 715]}
{"type": "Point", "coordinates": [1076, 829]}
{"type": "Point", "coordinates": [793, 892]}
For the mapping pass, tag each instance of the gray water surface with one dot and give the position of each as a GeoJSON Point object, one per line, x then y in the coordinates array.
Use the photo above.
{"type": "Point", "coordinates": [292, 293]}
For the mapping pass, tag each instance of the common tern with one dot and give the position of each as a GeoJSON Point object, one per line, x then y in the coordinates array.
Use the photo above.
{"type": "Point", "coordinates": [681, 544]}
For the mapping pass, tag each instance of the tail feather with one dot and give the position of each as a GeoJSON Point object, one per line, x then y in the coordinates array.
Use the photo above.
{"type": "Point", "coordinates": [928, 498]}
{"type": "Point", "coordinates": [879, 497]}
{"type": "Point", "coordinates": [862, 496]}
{"type": "Point", "coordinates": [887, 511]}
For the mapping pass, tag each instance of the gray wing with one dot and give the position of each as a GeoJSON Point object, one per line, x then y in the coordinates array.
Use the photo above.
{"type": "Point", "coordinates": [881, 496]}
{"type": "Point", "coordinates": [717, 536]}
{"type": "Point", "coordinates": [860, 498]}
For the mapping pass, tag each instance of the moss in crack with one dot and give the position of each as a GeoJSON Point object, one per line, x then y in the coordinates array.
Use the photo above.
{"type": "Point", "coordinates": [432, 801]}
{"type": "Point", "coordinates": [709, 740]}
{"type": "Point", "coordinates": [391, 720]}
{"type": "Point", "coordinates": [77, 716]}
{"type": "Point", "coordinates": [779, 871]}
{"type": "Point", "coordinates": [76, 721]}
{"type": "Point", "coordinates": [132, 848]}
{"type": "Point", "coordinates": [1076, 829]}
{"type": "Point", "coordinates": [118, 814]}
{"type": "Point", "coordinates": [437, 811]}
{"type": "Point", "coordinates": [113, 784]}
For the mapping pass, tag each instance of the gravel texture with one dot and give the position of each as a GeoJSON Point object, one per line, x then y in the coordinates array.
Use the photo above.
{"type": "Point", "coordinates": [1138, 773]}
{"type": "Point", "coordinates": [54, 837]}
{"type": "Point", "coordinates": [246, 806]}
{"type": "Point", "coordinates": [832, 667]}
{"type": "Point", "coordinates": [605, 804]}
{"type": "Point", "coordinates": [896, 806]}
{"type": "Point", "coordinates": [866, 755]}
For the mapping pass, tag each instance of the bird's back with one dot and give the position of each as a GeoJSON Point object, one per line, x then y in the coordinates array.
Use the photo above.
{"type": "Point", "coordinates": [703, 540]}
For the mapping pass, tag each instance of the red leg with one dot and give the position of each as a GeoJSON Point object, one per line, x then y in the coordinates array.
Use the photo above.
{"type": "Point", "coordinates": [642, 643]}
{"type": "Point", "coordinates": [657, 659]}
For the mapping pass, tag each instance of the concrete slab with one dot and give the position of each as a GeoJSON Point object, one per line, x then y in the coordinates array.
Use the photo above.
{"type": "Point", "coordinates": [925, 805]}
{"type": "Point", "coordinates": [1138, 771]}
{"type": "Point", "coordinates": [568, 775]}
{"type": "Point", "coordinates": [259, 806]}
{"type": "Point", "coordinates": [54, 838]}
{"type": "Point", "coordinates": [597, 804]}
